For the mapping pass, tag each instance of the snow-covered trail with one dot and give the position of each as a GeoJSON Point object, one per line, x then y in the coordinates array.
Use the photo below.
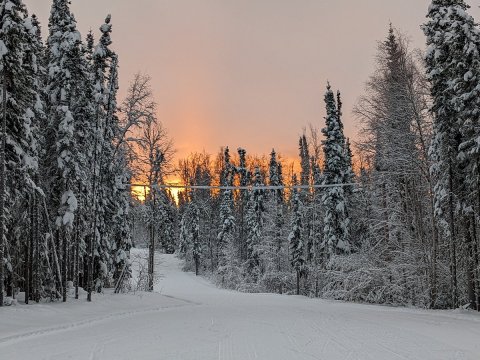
{"type": "Point", "coordinates": [192, 319]}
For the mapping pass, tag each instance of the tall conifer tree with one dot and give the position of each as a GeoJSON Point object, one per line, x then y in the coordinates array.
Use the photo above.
{"type": "Point", "coordinates": [297, 246]}
{"type": "Point", "coordinates": [453, 69]}
{"type": "Point", "coordinates": [19, 95]}
{"type": "Point", "coordinates": [336, 223]}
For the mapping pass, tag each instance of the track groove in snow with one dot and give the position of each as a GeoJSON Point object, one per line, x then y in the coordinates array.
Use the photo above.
{"type": "Point", "coordinates": [191, 319]}
{"type": "Point", "coordinates": [89, 322]}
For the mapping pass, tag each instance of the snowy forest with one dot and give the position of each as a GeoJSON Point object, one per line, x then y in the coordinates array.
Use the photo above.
{"type": "Point", "coordinates": [390, 217]}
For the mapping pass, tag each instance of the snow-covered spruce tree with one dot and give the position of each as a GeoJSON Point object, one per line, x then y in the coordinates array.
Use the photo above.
{"type": "Point", "coordinates": [203, 202]}
{"type": "Point", "coordinates": [83, 108]}
{"type": "Point", "coordinates": [244, 176]}
{"type": "Point", "coordinates": [255, 221]}
{"type": "Point", "coordinates": [117, 232]}
{"type": "Point", "coordinates": [34, 120]}
{"type": "Point", "coordinates": [45, 267]}
{"type": "Point", "coordinates": [18, 152]}
{"type": "Point", "coordinates": [305, 173]}
{"type": "Point", "coordinates": [297, 247]}
{"type": "Point", "coordinates": [196, 171]}
{"type": "Point", "coordinates": [452, 68]}
{"type": "Point", "coordinates": [444, 148]}
{"type": "Point", "coordinates": [166, 228]}
{"type": "Point", "coordinates": [349, 175]}
{"type": "Point", "coordinates": [111, 179]}
{"type": "Point", "coordinates": [336, 223]}
{"type": "Point", "coordinates": [467, 103]}
{"type": "Point", "coordinates": [196, 245]}
{"type": "Point", "coordinates": [314, 253]}
{"type": "Point", "coordinates": [190, 246]}
{"type": "Point", "coordinates": [315, 211]}
{"type": "Point", "coordinates": [64, 59]}
{"type": "Point", "coordinates": [276, 248]}
{"type": "Point", "coordinates": [306, 198]}
{"type": "Point", "coordinates": [275, 174]}
{"type": "Point", "coordinates": [347, 156]}
{"type": "Point", "coordinates": [105, 77]}
{"type": "Point", "coordinates": [184, 243]}
{"type": "Point", "coordinates": [228, 268]}
{"type": "Point", "coordinates": [121, 223]}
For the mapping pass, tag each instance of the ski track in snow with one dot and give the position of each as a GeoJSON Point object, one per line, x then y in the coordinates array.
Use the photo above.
{"type": "Point", "coordinates": [190, 319]}
{"type": "Point", "coordinates": [72, 326]}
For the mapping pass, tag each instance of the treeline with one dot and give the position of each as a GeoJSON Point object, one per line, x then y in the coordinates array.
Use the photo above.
{"type": "Point", "coordinates": [403, 230]}
{"type": "Point", "coordinates": [279, 238]}
{"type": "Point", "coordinates": [64, 157]}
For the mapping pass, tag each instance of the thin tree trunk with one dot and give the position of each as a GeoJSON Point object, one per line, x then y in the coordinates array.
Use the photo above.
{"type": "Point", "coordinates": [469, 239]}
{"type": "Point", "coordinates": [151, 252]}
{"type": "Point", "coordinates": [476, 244]}
{"type": "Point", "coordinates": [64, 236]}
{"type": "Point", "coordinates": [433, 290]}
{"type": "Point", "coordinates": [29, 251]}
{"type": "Point", "coordinates": [36, 262]}
{"type": "Point", "coordinates": [453, 248]}
{"type": "Point", "coordinates": [27, 267]}
{"type": "Point", "coordinates": [48, 254]}
{"type": "Point", "coordinates": [212, 244]}
{"type": "Point", "coordinates": [14, 275]}
{"type": "Point", "coordinates": [31, 246]}
{"type": "Point", "coordinates": [93, 236]}
{"type": "Point", "coordinates": [196, 265]}
{"type": "Point", "coordinates": [298, 282]}
{"type": "Point", "coordinates": [76, 260]}
{"type": "Point", "coordinates": [2, 184]}
{"type": "Point", "coordinates": [54, 247]}
{"type": "Point", "coordinates": [243, 240]}
{"type": "Point", "coordinates": [151, 257]}
{"type": "Point", "coordinates": [476, 265]}
{"type": "Point", "coordinates": [424, 148]}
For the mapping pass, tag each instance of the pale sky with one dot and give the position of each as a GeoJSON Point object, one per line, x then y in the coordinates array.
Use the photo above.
{"type": "Point", "coordinates": [248, 73]}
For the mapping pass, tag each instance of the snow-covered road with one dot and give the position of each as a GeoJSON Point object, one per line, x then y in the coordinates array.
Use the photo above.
{"type": "Point", "coordinates": [192, 319]}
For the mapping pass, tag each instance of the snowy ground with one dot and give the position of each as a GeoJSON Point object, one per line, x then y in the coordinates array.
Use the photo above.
{"type": "Point", "coordinates": [188, 318]}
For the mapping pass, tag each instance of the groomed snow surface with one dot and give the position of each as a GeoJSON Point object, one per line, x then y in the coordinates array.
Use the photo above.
{"type": "Point", "coordinates": [189, 318]}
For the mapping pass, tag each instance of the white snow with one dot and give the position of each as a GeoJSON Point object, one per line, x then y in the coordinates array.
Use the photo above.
{"type": "Point", "coordinates": [3, 49]}
{"type": "Point", "coordinates": [9, 6]}
{"type": "Point", "coordinates": [189, 318]}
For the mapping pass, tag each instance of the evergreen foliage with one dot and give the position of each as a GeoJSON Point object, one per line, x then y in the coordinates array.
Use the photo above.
{"type": "Point", "coordinates": [336, 222]}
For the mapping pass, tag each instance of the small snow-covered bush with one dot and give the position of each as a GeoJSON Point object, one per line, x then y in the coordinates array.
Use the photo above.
{"type": "Point", "coordinates": [9, 301]}
{"type": "Point", "coordinates": [229, 276]}
{"type": "Point", "coordinates": [277, 282]}
{"type": "Point", "coordinates": [364, 277]}
{"type": "Point", "coordinates": [140, 277]}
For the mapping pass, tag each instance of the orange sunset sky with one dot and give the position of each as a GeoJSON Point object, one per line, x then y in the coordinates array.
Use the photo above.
{"type": "Point", "coordinates": [248, 73]}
